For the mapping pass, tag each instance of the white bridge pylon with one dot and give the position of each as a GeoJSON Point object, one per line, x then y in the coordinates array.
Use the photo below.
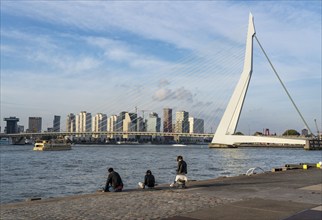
{"type": "Point", "coordinates": [225, 132]}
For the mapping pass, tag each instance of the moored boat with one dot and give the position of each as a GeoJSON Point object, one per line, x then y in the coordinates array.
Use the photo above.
{"type": "Point", "coordinates": [4, 140]}
{"type": "Point", "coordinates": [52, 145]}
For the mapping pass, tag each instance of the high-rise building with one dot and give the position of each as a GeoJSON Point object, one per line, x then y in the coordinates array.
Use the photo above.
{"type": "Point", "coordinates": [56, 123]}
{"type": "Point", "coordinates": [119, 121]}
{"type": "Point", "coordinates": [111, 124]}
{"type": "Point", "coordinates": [84, 122]}
{"type": "Point", "coordinates": [196, 125]}
{"type": "Point", "coordinates": [141, 124]}
{"type": "Point", "coordinates": [153, 123]}
{"type": "Point", "coordinates": [21, 128]}
{"type": "Point", "coordinates": [99, 123]}
{"type": "Point", "coordinates": [12, 125]}
{"type": "Point", "coordinates": [305, 132]}
{"type": "Point", "coordinates": [34, 125]}
{"type": "Point", "coordinates": [182, 122]}
{"type": "Point", "coordinates": [130, 122]}
{"type": "Point", "coordinates": [167, 120]}
{"type": "Point", "coordinates": [71, 123]}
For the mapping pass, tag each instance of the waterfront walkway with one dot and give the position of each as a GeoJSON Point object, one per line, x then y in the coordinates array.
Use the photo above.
{"type": "Point", "coordinates": [289, 195]}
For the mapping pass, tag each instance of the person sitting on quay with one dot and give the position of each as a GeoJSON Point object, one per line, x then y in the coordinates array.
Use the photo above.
{"type": "Point", "coordinates": [149, 180]}
{"type": "Point", "coordinates": [114, 182]}
{"type": "Point", "coordinates": [181, 178]}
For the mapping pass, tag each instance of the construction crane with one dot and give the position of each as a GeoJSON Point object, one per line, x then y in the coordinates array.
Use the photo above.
{"type": "Point", "coordinates": [317, 128]}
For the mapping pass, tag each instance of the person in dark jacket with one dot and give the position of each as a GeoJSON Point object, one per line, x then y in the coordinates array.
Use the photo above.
{"type": "Point", "coordinates": [181, 178]}
{"type": "Point", "coordinates": [182, 166]}
{"type": "Point", "coordinates": [113, 182]}
{"type": "Point", "coordinates": [149, 180]}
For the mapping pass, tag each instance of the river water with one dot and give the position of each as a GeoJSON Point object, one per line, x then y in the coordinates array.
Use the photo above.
{"type": "Point", "coordinates": [26, 173]}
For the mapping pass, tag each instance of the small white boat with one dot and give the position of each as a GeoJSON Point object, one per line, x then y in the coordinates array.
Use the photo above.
{"type": "Point", "coordinates": [52, 145]}
{"type": "Point", "coordinates": [179, 145]}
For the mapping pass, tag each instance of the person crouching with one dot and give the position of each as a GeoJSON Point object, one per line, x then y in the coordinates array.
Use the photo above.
{"type": "Point", "coordinates": [114, 182]}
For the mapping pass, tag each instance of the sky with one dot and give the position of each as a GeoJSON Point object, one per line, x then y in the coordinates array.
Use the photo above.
{"type": "Point", "coordinates": [61, 57]}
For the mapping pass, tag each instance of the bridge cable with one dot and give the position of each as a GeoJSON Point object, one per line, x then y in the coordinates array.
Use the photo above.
{"type": "Point", "coordinates": [288, 94]}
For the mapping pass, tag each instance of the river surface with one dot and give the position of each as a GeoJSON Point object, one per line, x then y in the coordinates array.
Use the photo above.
{"type": "Point", "coordinates": [26, 173]}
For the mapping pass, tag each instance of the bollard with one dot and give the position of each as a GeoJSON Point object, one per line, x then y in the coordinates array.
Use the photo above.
{"type": "Point", "coordinates": [304, 167]}
{"type": "Point", "coordinates": [318, 165]}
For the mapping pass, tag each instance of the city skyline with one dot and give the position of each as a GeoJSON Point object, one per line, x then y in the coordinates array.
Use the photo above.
{"type": "Point", "coordinates": [55, 60]}
{"type": "Point", "coordinates": [85, 121]}
{"type": "Point", "coordinates": [73, 122]}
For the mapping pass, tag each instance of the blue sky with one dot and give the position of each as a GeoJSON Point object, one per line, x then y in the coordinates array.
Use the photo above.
{"type": "Point", "coordinates": [60, 57]}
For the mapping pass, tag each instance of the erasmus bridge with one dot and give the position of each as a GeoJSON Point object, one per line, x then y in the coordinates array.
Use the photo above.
{"type": "Point", "coordinates": [225, 132]}
{"type": "Point", "coordinates": [227, 127]}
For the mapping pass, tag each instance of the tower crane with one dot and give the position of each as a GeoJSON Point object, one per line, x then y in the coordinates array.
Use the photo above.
{"type": "Point", "coordinates": [317, 129]}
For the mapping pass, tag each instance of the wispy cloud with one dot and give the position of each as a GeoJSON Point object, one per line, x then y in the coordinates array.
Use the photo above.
{"type": "Point", "coordinates": [121, 52]}
{"type": "Point", "coordinates": [163, 94]}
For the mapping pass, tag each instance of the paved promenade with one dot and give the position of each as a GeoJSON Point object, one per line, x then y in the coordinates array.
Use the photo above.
{"type": "Point", "coordinates": [289, 195]}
